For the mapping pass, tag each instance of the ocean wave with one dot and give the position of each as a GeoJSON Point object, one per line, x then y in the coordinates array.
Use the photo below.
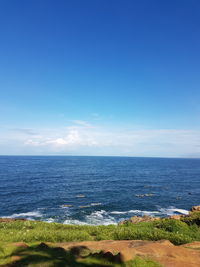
{"type": "Point", "coordinates": [76, 222]}
{"type": "Point", "coordinates": [100, 217]}
{"type": "Point", "coordinates": [97, 217]}
{"type": "Point", "coordinates": [172, 211]}
{"type": "Point", "coordinates": [162, 212]}
{"type": "Point", "coordinates": [141, 212]}
{"type": "Point", "coordinates": [49, 220]}
{"type": "Point", "coordinates": [96, 204]}
{"type": "Point", "coordinates": [27, 215]}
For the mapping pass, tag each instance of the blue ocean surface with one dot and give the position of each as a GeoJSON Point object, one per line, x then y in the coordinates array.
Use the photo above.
{"type": "Point", "coordinates": [96, 190]}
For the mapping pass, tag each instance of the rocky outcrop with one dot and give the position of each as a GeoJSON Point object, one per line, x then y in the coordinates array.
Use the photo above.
{"type": "Point", "coordinates": [195, 208]}
{"type": "Point", "coordinates": [139, 219]}
{"type": "Point", "coordinates": [176, 217]}
{"type": "Point", "coordinates": [118, 251]}
{"type": "Point", "coordinates": [162, 251]}
{"type": "Point", "coordinates": [186, 218]}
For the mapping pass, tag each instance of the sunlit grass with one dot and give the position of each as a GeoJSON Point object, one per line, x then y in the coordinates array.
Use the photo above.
{"type": "Point", "coordinates": [34, 232]}
{"type": "Point", "coordinates": [177, 232]}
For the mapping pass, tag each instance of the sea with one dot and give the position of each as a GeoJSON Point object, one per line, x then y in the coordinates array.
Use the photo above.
{"type": "Point", "coordinates": [88, 190]}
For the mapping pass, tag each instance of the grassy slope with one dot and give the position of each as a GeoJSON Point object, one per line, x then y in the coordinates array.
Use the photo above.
{"type": "Point", "coordinates": [32, 232]}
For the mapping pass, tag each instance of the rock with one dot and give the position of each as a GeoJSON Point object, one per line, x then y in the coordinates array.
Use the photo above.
{"type": "Point", "coordinates": [96, 204]}
{"type": "Point", "coordinates": [145, 195]}
{"type": "Point", "coordinates": [195, 245]}
{"type": "Point", "coordinates": [59, 250]}
{"type": "Point", "coordinates": [175, 217]}
{"type": "Point", "coordinates": [80, 196]}
{"type": "Point", "coordinates": [42, 246]}
{"type": "Point", "coordinates": [138, 219]}
{"type": "Point", "coordinates": [195, 208]}
{"type": "Point", "coordinates": [109, 256]}
{"type": "Point", "coordinates": [163, 251]}
{"type": "Point", "coordinates": [149, 195]}
{"type": "Point", "coordinates": [15, 258]}
{"type": "Point", "coordinates": [20, 244]}
{"type": "Point", "coordinates": [80, 251]}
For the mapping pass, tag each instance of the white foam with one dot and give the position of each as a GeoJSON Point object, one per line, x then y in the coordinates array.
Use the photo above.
{"type": "Point", "coordinates": [100, 218]}
{"type": "Point", "coordinates": [49, 220]}
{"type": "Point", "coordinates": [163, 211]}
{"type": "Point", "coordinates": [30, 214]}
{"type": "Point", "coordinates": [77, 222]}
{"type": "Point", "coordinates": [182, 211]}
{"type": "Point", "coordinates": [134, 212]}
{"type": "Point", "coordinates": [118, 212]}
{"type": "Point", "coordinates": [173, 210]}
{"type": "Point", "coordinates": [96, 204]}
{"type": "Point", "coordinates": [66, 206]}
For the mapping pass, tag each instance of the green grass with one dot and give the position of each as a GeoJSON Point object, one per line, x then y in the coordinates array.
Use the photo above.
{"type": "Point", "coordinates": [32, 232]}
{"type": "Point", "coordinates": [193, 218]}
{"type": "Point", "coordinates": [177, 232]}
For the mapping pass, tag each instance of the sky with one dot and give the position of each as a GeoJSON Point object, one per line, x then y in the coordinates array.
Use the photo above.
{"type": "Point", "coordinates": [100, 77]}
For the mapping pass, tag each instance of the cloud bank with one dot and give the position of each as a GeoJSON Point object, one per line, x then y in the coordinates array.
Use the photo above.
{"type": "Point", "coordinates": [82, 138]}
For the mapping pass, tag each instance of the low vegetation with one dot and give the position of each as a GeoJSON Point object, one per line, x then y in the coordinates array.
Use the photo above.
{"type": "Point", "coordinates": [33, 232]}
{"type": "Point", "coordinates": [178, 232]}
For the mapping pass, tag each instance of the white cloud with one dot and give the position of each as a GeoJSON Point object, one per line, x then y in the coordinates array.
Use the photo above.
{"type": "Point", "coordinates": [82, 123]}
{"type": "Point", "coordinates": [84, 139]}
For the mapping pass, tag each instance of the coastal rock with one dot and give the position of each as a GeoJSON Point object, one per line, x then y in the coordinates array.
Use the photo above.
{"type": "Point", "coordinates": [145, 195]}
{"type": "Point", "coordinates": [195, 208]}
{"type": "Point", "coordinates": [175, 217]}
{"type": "Point", "coordinates": [80, 196]}
{"type": "Point", "coordinates": [20, 244]}
{"type": "Point", "coordinates": [163, 251]}
{"type": "Point", "coordinates": [14, 259]}
{"type": "Point", "coordinates": [138, 219]}
{"type": "Point", "coordinates": [195, 245]}
{"type": "Point", "coordinates": [42, 246]}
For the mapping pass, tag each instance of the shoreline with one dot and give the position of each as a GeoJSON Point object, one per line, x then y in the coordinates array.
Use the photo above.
{"type": "Point", "coordinates": [133, 219]}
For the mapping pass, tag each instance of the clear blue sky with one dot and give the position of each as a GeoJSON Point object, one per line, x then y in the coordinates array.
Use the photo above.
{"type": "Point", "coordinates": [100, 77]}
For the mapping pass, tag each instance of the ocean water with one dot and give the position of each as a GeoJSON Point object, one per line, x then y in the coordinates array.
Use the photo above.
{"type": "Point", "coordinates": [99, 190]}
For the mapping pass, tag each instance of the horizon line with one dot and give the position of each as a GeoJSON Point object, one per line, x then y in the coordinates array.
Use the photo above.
{"type": "Point", "coordinates": [117, 156]}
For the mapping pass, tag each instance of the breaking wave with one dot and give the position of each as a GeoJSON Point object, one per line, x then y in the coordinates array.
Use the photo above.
{"type": "Point", "coordinates": [77, 222]}
{"type": "Point", "coordinates": [138, 212]}
{"type": "Point", "coordinates": [101, 217]}
{"type": "Point", "coordinates": [160, 212]}
{"type": "Point", "coordinates": [172, 211]}
{"type": "Point", "coordinates": [27, 215]}
{"type": "Point", "coordinates": [98, 217]}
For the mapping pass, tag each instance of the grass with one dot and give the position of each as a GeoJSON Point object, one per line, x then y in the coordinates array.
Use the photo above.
{"type": "Point", "coordinates": [177, 232]}
{"type": "Point", "coordinates": [33, 232]}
